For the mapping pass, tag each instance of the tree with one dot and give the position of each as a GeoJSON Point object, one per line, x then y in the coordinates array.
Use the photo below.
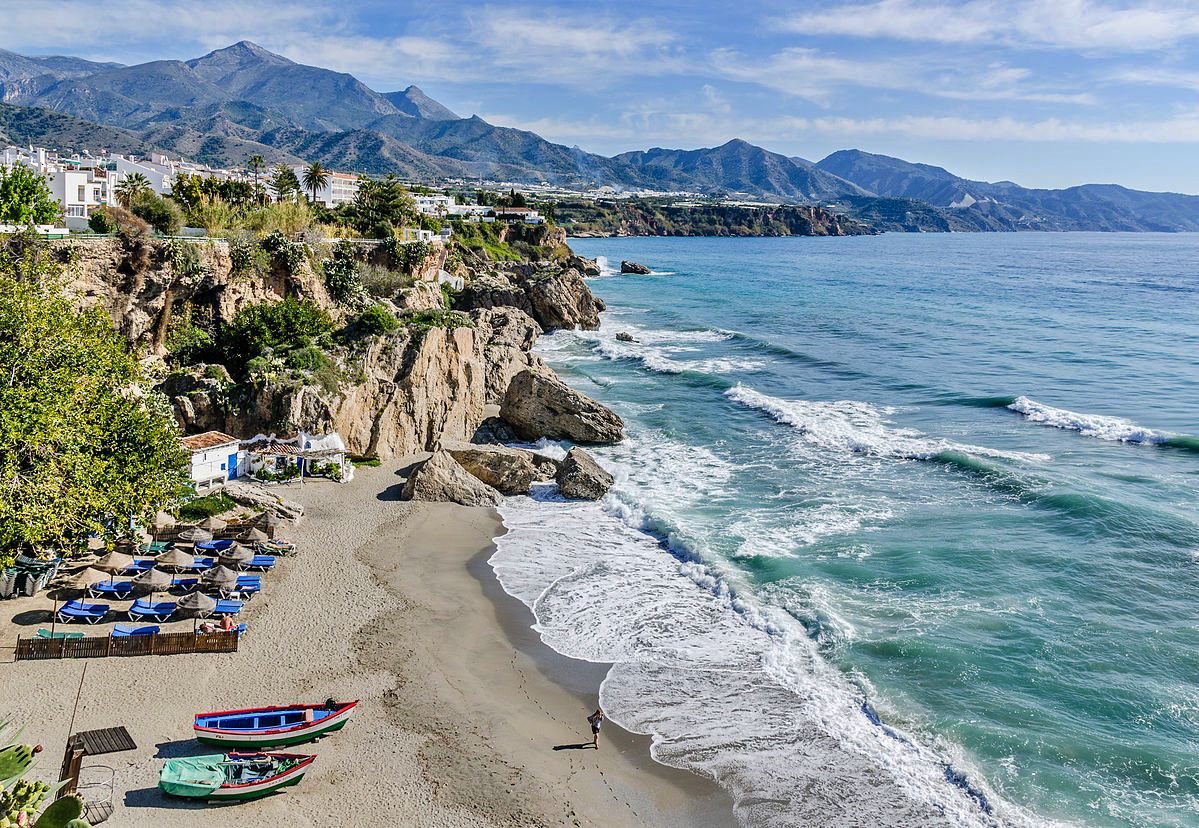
{"type": "Point", "coordinates": [379, 206]}
{"type": "Point", "coordinates": [284, 182]}
{"type": "Point", "coordinates": [80, 443]}
{"type": "Point", "coordinates": [161, 214]}
{"type": "Point", "coordinates": [274, 327]}
{"type": "Point", "coordinates": [315, 178]}
{"type": "Point", "coordinates": [256, 164]}
{"type": "Point", "coordinates": [25, 198]}
{"type": "Point", "coordinates": [132, 187]}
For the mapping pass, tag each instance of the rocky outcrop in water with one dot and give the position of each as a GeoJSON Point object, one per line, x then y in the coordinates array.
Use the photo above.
{"type": "Point", "coordinates": [440, 479]}
{"type": "Point", "coordinates": [538, 404]}
{"type": "Point", "coordinates": [632, 267]}
{"type": "Point", "coordinates": [509, 470]}
{"type": "Point", "coordinates": [580, 477]}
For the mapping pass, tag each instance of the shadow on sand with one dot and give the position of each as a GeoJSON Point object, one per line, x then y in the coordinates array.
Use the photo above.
{"type": "Point", "coordinates": [579, 746]}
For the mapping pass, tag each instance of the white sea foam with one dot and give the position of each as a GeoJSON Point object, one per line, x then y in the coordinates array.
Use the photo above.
{"type": "Point", "coordinates": [859, 428]}
{"type": "Point", "coordinates": [1089, 425]}
{"type": "Point", "coordinates": [660, 351]}
{"type": "Point", "coordinates": [766, 535]}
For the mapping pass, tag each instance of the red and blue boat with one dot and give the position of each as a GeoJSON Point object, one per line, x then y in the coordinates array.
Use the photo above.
{"type": "Point", "coordinates": [260, 727]}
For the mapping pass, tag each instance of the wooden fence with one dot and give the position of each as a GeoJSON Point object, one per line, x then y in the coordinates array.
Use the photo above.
{"type": "Point", "coordinates": [103, 646]}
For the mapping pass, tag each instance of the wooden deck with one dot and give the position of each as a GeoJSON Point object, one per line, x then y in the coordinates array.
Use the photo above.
{"type": "Point", "coordinates": [105, 646]}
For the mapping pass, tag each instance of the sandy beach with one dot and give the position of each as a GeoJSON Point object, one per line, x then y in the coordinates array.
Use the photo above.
{"type": "Point", "coordinates": [466, 718]}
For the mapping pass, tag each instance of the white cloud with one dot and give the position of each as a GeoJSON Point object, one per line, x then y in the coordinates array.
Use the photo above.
{"type": "Point", "coordinates": [1066, 24]}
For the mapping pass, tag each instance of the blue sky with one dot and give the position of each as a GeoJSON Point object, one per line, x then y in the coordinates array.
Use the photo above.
{"type": "Point", "coordinates": [1042, 93]}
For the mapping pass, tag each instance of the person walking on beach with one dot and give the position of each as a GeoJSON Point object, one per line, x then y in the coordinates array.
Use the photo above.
{"type": "Point", "coordinates": [595, 720]}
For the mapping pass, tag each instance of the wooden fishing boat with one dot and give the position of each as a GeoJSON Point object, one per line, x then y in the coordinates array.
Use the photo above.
{"type": "Point", "coordinates": [260, 727]}
{"type": "Point", "coordinates": [233, 777]}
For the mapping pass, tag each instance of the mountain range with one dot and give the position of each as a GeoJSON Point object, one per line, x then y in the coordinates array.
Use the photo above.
{"type": "Point", "coordinates": [242, 100]}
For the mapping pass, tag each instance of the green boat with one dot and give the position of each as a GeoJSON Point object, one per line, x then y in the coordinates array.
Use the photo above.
{"type": "Point", "coordinates": [233, 777]}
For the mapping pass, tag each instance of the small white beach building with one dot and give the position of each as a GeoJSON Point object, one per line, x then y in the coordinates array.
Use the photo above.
{"type": "Point", "coordinates": [216, 458]}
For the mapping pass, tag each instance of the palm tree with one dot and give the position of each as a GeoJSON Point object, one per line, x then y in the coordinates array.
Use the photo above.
{"type": "Point", "coordinates": [131, 186]}
{"type": "Point", "coordinates": [256, 163]}
{"type": "Point", "coordinates": [315, 178]}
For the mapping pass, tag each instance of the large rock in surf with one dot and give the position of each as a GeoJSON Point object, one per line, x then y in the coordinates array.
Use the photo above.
{"type": "Point", "coordinates": [510, 470]}
{"type": "Point", "coordinates": [579, 476]}
{"type": "Point", "coordinates": [632, 267]}
{"type": "Point", "coordinates": [440, 479]}
{"type": "Point", "coordinates": [540, 405]}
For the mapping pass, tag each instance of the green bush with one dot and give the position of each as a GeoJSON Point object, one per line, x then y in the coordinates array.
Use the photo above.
{"type": "Point", "coordinates": [164, 216]}
{"type": "Point", "coordinates": [202, 507]}
{"type": "Point", "coordinates": [341, 273]}
{"type": "Point", "coordinates": [382, 282]}
{"type": "Point", "coordinates": [308, 358]}
{"type": "Point", "coordinates": [288, 254]}
{"type": "Point", "coordinates": [99, 222]}
{"type": "Point", "coordinates": [185, 259]}
{"type": "Point", "coordinates": [377, 319]}
{"type": "Point", "coordinates": [422, 321]}
{"type": "Point", "coordinates": [372, 462]}
{"type": "Point", "coordinates": [241, 254]}
{"type": "Point", "coordinates": [276, 327]}
{"type": "Point", "coordinates": [187, 344]}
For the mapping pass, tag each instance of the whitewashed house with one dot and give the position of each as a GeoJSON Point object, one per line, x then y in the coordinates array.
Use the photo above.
{"type": "Point", "coordinates": [215, 458]}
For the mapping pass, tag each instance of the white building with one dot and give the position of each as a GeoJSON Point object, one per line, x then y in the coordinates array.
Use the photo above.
{"type": "Point", "coordinates": [434, 205]}
{"type": "Point", "coordinates": [79, 191]}
{"type": "Point", "coordinates": [215, 458]}
{"type": "Point", "coordinates": [340, 188]}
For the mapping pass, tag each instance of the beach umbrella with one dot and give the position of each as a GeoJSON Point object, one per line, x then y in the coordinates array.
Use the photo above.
{"type": "Point", "coordinates": [152, 581]}
{"type": "Point", "coordinates": [194, 534]}
{"type": "Point", "coordinates": [114, 562]}
{"type": "Point", "coordinates": [197, 603]}
{"type": "Point", "coordinates": [220, 577]}
{"type": "Point", "coordinates": [235, 555]}
{"type": "Point", "coordinates": [176, 558]}
{"type": "Point", "coordinates": [85, 578]}
{"type": "Point", "coordinates": [257, 536]}
{"type": "Point", "coordinates": [212, 524]}
{"type": "Point", "coordinates": [269, 522]}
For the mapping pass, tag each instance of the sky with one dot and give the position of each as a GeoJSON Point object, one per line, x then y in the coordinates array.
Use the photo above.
{"type": "Point", "coordinates": [1046, 93]}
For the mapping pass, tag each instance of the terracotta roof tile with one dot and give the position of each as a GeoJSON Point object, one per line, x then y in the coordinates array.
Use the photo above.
{"type": "Point", "coordinates": [207, 440]}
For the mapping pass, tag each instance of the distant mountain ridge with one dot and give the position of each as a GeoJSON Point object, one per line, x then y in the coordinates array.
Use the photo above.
{"type": "Point", "coordinates": [243, 99]}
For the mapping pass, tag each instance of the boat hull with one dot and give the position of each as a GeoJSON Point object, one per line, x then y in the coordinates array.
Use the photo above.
{"type": "Point", "coordinates": [275, 736]}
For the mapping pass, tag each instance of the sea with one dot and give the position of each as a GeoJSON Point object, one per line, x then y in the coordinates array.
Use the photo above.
{"type": "Point", "coordinates": [904, 528]}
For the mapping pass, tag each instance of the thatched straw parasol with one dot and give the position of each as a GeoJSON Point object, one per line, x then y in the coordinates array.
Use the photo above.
{"type": "Point", "coordinates": [84, 578]}
{"type": "Point", "coordinates": [235, 555]}
{"type": "Point", "coordinates": [194, 534]}
{"type": "Point", "coordinates": [197, 603]}
{"type": "Point", "coordinates": [152, 581]}
{"type": "Point", "coordinates": [177, 558]}
{"type": "Point", "coordinates": [114, 562]}
{"type": "Point", "coordinates": [256, 536]}
{"type": "Point", "coordinates": [220, 577]}
{"type": "Point", "coordinates": [163, 520]}
{"type": "Point", "coordinates": [212, 524]}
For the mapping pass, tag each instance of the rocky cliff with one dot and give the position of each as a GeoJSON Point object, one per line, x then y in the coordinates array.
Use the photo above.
{"type": "Point", "coordinates": [435, 378]}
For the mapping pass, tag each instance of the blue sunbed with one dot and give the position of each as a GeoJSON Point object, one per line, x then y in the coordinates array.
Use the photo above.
{"type": "Point", "coordinates": [213, 545]}
{"type": "Point", "coordinates": [227, 606]}
{"type": "Point", "coordinates": [185, 584]}
{"type": "Point", "coordinates": [79, 611]}
{"type": "Point", "coordinates": [117, 590]}
{"type": "Point", "coordinates": [260, 562]}
{"type": "Point", "coordinates": [160, 611]}
{"type": "Point", "coordinates": [127, 630]}
{"type": "Point", "coordinates": [140, 566]}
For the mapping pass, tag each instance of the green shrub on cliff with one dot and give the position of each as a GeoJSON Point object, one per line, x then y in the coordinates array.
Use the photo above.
{"type": "Point", "coordinates": [341, 273]}
{"type": "Point", "coordinates": [271, 327]}
{"type": "Point", "coordinates": [425, 320]}
{"type": "Point", "coordinates": [161, 214]}
{"type": "Point", "coordinates": [78, 444]}
{"type": "Point", "coordinates": [376, 320]}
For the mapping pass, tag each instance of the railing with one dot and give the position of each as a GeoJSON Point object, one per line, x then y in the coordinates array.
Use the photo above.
{"type": "Point", "coordinates": [104, 646]}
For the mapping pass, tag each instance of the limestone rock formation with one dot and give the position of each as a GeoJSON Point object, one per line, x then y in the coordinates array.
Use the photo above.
{"type": "Point", "coordinates": [554, 296]}
{"type": "Point", "coordinates": [261, 497]}
{"type": "Point", "coordinates": [509, 335]}
{"type": "Point", "coordinates": [588, 267]}
{"type": "Point", "coordinates": [627, 266]}
{"type": "Point", "coordinates": [510, 470]}
{"type": "Point", "coordinates": [580, 477]}
{"type": "Point", "coordinates": [538, 404]}
{"type": "Point", "coordinates": [440, 479]}
{"type": "Point", "coordinates": [624, 336]}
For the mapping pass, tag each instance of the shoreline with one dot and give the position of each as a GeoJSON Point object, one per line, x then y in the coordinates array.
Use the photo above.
{"type": "Point", "coordinates": [392, 603]}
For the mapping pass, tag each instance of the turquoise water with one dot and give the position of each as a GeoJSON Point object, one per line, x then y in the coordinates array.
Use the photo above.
{"type": "Point", "coordinates": [951, 477]}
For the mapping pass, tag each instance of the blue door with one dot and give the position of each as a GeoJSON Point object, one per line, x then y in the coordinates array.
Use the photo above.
{"type": "Point", "coordinates": [233, 466]}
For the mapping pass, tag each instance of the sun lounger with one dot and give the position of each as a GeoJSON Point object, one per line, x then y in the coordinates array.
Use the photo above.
{"type": "Point", "coordinates": [226, 606]}
{"type": "Point", "coordinates": [138, 567]}
{"type": "Point", "coordinates": [44, 633]}
{"type": "Point", "coordinates": [276, 547]}
{"type": "Point", "coordinates": [240, 629]}
{"type": "Point", "coordinates": [79, 611]}
{"type": "Point", "coordinates": [155, 547]}
{"type": "Point", "coordinates": [117, 590]}
{"type": "Point", "coordinates": [127, 630]}
{"type": "Point", "coordinates": [260, 563]}
{"type": "Point", "coordinates": [217, 546]}
{"type": "Point", "coordinates": [144, 609]}
{"type": "Point", "coordinates": [185, 584]}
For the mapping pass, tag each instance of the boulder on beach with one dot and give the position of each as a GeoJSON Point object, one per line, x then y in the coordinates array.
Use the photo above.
{"type": "Point", "coordinates": [580, 477]}
{"type": "Point", "coordinates": [624, 336]}
{"type": "Point", "coordinates": [540, 405]}
{"type": "Point", "coordinates": [633, 267]}
{"type": "Point", "coordinates": [260, 497]}
{"type": "Point", "coordinates": [441, 479]}
{"type": "Point", "coordinates": [510, 470]}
